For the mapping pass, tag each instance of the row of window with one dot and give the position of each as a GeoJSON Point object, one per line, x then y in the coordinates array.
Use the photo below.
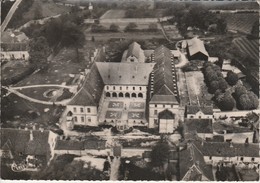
{"type": "Point", "coordinates": [120, 88]}
{"type": "Point", "coordinates": [241, 158]}
{"type": "Point", "coordinates": [81, 110]}
{"type": "Point", "coordinates": [82, 119]}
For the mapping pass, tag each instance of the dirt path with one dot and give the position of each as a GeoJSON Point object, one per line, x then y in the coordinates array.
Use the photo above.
{"type": "Point", "coordinates": [114, 168]}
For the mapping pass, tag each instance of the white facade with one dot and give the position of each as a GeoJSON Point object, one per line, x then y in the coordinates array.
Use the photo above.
{"type": "Point", "coordinates": [167, 125]}
{"type": "Point", "coordinates": [14, 55]}
{"type": "Point", "coordinates": [234, 159]}
{"type": "Point", "coordinates": [238, 137]}
{"type": "Point", "coordinates": [155, 109]}
{"type": "Point", "coordinates": [125, 91]}
{"type": "Point", "coordinates": [84, 115]}
{"type": "Point", "coordinates": [199, 115]}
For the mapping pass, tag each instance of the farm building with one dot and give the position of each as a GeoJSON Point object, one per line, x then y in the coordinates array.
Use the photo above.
{"type": "Point", "coordinates": [117, 93]}
{"type": "Point", "coordinates": [199, 112]}
{"type": "Point", "coordinates": [163, 86]}
{"type": "Point", "coordinates": [14, 46]}
{"type": "Point", "coordinates": [196, 49]}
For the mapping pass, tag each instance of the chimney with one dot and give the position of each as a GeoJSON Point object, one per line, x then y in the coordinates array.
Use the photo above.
{"type": "Point", "coordinates": [31, 135]}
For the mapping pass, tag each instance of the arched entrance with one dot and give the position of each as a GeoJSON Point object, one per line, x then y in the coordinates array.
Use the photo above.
{"type": "Point", "coordinates": [114, 94]}
{"type": "Point", "coordinates": [121, 94]}
{"type": "Point", "coordinates": [133, 95]}
{"type": "Point", "coordinates": [108, 94]}
{"type": "Point", "coordinates": [127, 95]}
{"type": "Point", "coordinates": [140, 95]}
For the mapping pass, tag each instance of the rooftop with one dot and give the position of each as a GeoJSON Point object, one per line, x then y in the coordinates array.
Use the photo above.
{"type": "Point", "coordinates": [198, 125]}
{"type": "Point", "coordinates": [195, 45]}
{"type": "Point", "coordinates": [125, 73]}
{"type": "Point", "coordinates": [193, 109]}
{"type": "Point", "coordinates": [135, 50]}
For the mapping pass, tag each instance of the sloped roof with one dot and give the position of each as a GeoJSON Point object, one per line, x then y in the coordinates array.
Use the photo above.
{"type": "Point", "coordinates": [89, 143]}
{"type": "Point", "coordinates": [90, 93]}
{"type": "Point", "coordinates": [192, 159]}
{"type": "Point", "coordinates": [195, 45]}
{"type": "Point", "coordinates": [125, 73]}
{"type": "Point", "coordinates": [198, 125]}
{"type": "Point", "coordinates": [193, 109]}
{"type": "Point", "coordinates": [224, 149]}
{"type": "Point", "coordinates": [19, 141]}
{"type": "Point", "coordinates": [166, 114]}
{"type": "Point", "coordinates": [164, 82]}
{"type": "Point", "coordinates": [163, 99]}
{"type": "Point", "coordinates": [135, 50]}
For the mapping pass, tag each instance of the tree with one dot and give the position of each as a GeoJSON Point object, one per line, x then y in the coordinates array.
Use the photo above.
{"type": "Point", "coordinates": [114, 28]}
{"type": "Point", "coordinates": [223, 85]}
{"type": "Point", "coordinates": [160, 154]}
{"type": "Point", "coordinates": [232, 78]}
{"type": "Point", "coordinates": [131, 27]}
{"type": "Point", "coordinates": [226, 103]}
{"type": "Point", "coordinates": [39, 51]}
{"type": "Point", "coordinates": [72, 37]}
{"type": "Point", "coordinates": [248, 101]}
{"type": "Point", "coordinates": [213, 86]}
{"type": "Point", "coordinates": [240, 90]}
{"type": "Point", "coordinates": [68, 169]}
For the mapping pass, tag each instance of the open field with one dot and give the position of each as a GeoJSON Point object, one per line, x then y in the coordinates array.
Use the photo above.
{"type": "Point", "coordinates": [125, 35]}
{"type": "Point", "coordinates": [113, 14]}
{"type": "Point", "coordinates": [249, 47]}
{"type": "Point", "coordinates": [241, 22]}
{"type": "Point", "coordinates": [198, 91]}
{"type": "Point", "coordinates": [61, 66]}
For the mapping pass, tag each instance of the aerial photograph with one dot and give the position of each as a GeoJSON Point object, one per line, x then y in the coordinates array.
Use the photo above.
{"type": "Point", "coordinates": [129, 90]}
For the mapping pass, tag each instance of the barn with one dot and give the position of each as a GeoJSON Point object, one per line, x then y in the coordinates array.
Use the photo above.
{"type": "Point", "coordinates": [196, 50]}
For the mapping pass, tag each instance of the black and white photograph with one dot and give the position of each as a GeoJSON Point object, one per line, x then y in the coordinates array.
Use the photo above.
{"type": "Point", "coordinates": [129, 90]}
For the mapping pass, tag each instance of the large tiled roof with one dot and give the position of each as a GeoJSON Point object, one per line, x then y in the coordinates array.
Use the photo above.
{"type": "Point", "coordinates": [135, 50]}
{"type": "Point", "coordinates": [198, 125]}
{"type": "Point", "coordinates": [163, 99]}
{"type": "Point", "coordinates": [90, 143]}
{"type": "Point", "coordinates": [225, 149]}
{"type": "Point", "coordinates": [192, 165]}
{"type": "Point", "coordinates": [125, 73]}
{"type": "Point", "coordinates": [195, 45]}
{"type": "Point", "coordinates": [193, 109]}
{"type": "Point", "coordinates": [164, 78]}
{"type": "Point", "coordinates": [90, 93]}
{"type": "Point", "coordinates": [18, 141]}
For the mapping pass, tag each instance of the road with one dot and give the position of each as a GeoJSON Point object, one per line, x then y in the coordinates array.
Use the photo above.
{"type": "Point", "coordinates": [10, 15]}
{"type": "Point", "coordinates": [114, 169]}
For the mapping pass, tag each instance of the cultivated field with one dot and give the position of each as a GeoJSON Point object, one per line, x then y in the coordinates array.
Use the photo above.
{"type": "Point", "coordinates": [198, 92]}
{"type": "Point", "coordinates": [113, 14]}
{"type": "Point", "coordinates": [249, 47]}
{"type": "Point", "coordinates": [241, 22]}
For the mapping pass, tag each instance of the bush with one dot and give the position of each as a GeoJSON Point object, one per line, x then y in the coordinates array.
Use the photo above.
{"type": "Point", "coordinates": [232, 78]}
{"type": "Point", "coordinates": [131, 27]}
{"type": "Point", "coordinates": [226, 103]}
{"type": "Point", "coordinates": [114, 28]}
{"type": "Point", "coordinates": [248, 101]}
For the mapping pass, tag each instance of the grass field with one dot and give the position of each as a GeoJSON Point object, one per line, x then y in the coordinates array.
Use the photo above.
{"type": "Point", "coordinates": [249, 47]}
{"type": "Point", "coordinates": [48, 8]}
{"type": "Point", "coordinates": [59, 71]}
{"type": "Point", "coordinates": [198, 91]}
{"type": "Point", "coordinates": [241, 22]}
{"type": "Point", "coordinates": [113, 14]}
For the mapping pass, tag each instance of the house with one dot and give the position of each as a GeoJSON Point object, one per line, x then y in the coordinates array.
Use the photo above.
{"type": "Point", "coordinates": [83, 108]}
{"type": "Point", "coordinates": [226, 152]}
{"type": "Point", "coordinates": [196, 50]}
{"type": "Point", "coordinates": [192, 165]}
{"type": "Point", "coordinates": [163, 87]}
{"type": "Point", "coordinates": [199, 112]}
{"type": "Point", "coordinates": [232, 133]}
{"type": "Point", "coordinates": [200, 127]}
{"type": "Point", "coordinates": [134, 53]}
{"type": "Point", "coordinates": [14, 46]}
{"type": "Point", "coordinates": [18, 144]}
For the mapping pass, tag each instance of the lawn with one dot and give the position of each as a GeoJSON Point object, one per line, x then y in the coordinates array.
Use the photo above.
{"type": "Point", "coordinates": [198, 91]}
{"type": "Point", "coordinates": [41, 93]}
{"type": "Point", "coordinates": [113, 14]}
{"type": "Point", "coordinates": [20, 112]}
{"type": "Point", "coordinates": [60, 69]}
